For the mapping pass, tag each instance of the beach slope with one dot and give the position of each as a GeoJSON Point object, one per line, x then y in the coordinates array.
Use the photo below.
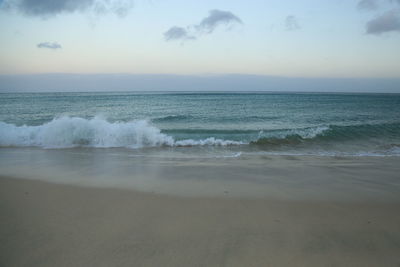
{"type": "Point", "coordinates": [45, 224]}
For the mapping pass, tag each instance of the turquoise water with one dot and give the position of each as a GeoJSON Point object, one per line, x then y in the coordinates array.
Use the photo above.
{"type": "Point", "coordinates": [270, 123]}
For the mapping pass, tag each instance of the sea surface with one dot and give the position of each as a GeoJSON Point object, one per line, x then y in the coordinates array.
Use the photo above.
{"type": "Point", "coordinates": [193, 124]}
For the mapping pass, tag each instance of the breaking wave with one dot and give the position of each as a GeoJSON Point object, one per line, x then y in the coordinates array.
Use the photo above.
{"type": "Point", "coordinates": [66, 132]}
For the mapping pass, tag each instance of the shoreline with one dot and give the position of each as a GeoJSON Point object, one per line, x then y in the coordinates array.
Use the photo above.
{"type": "Point", "coordinates": [47, 224]}
{"type": "Point", "coordinates": [373, 179]}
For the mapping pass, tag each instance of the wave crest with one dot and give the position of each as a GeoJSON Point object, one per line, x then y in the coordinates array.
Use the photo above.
{"type": "Point", "coordinates": [72, 132]}
{"type": "Point", "coordinates": [333, 133]}
{"type": "Point", "coordinates": [66, 132]}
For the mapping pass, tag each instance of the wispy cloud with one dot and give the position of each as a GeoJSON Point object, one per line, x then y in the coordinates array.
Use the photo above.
{"type": "Point", "coordinates": [387, 22]}
{"type": "Point", "coordinates": [291, 23]}
{"type": "Point", "coordinates": [217, 18]}
{"type": "Point", "coordinates": [49, 45]}
{"type": "Point", "coordinates": [49, 8]}
{"type": "Point", "coordinates": [178, 33]}
{"type": "Point", "coordinates": [371, 5]}
{"type": "Point", "coordinates": [207, 25]}
{"type": "Point", "coordinates": [368, 4]}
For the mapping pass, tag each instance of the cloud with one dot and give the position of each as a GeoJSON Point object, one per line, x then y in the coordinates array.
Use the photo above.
{"type": "Point", "coordinates": [387, 22]}
{"type": "Point", "coordinates": [177, 33]}
{"type": "Point", "coordinates": [368, 5]}
{"type": "Point", "coordinates": [216, 18]}
{"type": "Point", "coordinates": [49, 45]}
{"type": "Point", "coordinates": [118, 7]}
{"type": "Point", "coordinates": [291, 23]}
{"type": "Point", "coordinates": [206, 25]}
{"type": "Point", "coordinates": [49, 8]}
{"type": "Point", "coordinates": [371, 5]}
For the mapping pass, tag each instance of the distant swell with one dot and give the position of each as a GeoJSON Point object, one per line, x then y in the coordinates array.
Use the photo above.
{"type": "Point", "coordinates": [68, 132]}
{"type": "Point", "coordinates": [172, 118]}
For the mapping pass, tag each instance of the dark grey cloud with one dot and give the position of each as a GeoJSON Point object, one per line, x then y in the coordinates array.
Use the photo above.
{"type": "Point", "coordinates": [178, 33]}
{"type": "Point", "coordinates": [368, 4]}
{"type": "Point", "coordinates": [49, 45]}
{"type": "Point", "coordinates": [387, 22]}
{"type": "Point", "coordinates": [48, 8]}
{"type": "Point", "coordinates": [216, 18]}
{"type": "Point", "coordinates": [291, 23]}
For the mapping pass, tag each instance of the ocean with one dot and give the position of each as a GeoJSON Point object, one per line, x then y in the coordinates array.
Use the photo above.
{"type": "Point", "coordinates": [217, 124]}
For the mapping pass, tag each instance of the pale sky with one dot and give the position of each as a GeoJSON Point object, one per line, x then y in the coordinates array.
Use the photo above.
{"type": "Point", "coordinates": [304, 38]}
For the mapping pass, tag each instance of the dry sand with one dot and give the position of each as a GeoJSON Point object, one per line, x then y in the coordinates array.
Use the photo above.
{"type": "Point", "coordinates": [44, 224]}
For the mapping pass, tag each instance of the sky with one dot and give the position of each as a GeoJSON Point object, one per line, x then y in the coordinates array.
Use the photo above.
{"type": "Point", "coordinates": [304, 39]}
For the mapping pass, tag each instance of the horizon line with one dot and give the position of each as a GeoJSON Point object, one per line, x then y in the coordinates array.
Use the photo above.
{"type": "Point", "coordinates": [199, 75]}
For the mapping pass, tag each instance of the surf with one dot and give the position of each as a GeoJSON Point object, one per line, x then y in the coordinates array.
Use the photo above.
{"type": "Point", "coordinates": [68, 132]}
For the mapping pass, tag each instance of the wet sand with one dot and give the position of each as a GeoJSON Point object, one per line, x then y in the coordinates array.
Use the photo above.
{"type": "Point", "coordinates": [297, 178]}
{"type": "Point", "coordinates": [46, 224]}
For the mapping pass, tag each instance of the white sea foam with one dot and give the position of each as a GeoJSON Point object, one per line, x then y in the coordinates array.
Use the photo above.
{"type": "Point", "coordinates": [68, 132]}
{"type": "Point", "coordinates": [309, 133]}
{"type": "Point", "coordinates": [207, 142]}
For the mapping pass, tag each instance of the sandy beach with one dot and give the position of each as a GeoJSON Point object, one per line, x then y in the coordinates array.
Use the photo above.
{"type": "Point", "coordinates": [46, 224]}
{"type": "Point", "coordinates": [199, 133]}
